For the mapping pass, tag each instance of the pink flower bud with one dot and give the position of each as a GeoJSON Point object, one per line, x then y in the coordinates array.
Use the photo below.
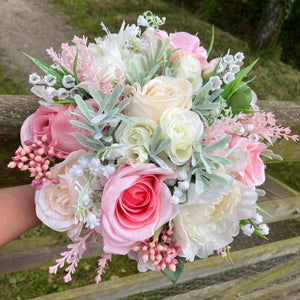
{"type": "Point", "coordinates": [160, 248]}
{"type": "Point", "coordinates": [169, 232]}
{"type": "Point", "coordinates": [136, 248]}
{"type": "Point", "coordinates": [55, 181]}
{"type": "Point", "coordinates": [152, 251]}
{"type": "Point", "coordinates": [145, 258]}
{"type": "Point", "coordinates": [167, 259]}
{"type": "Point", "coordinates": [158, 257]}
{"type": "Point", "coordinates": [41, 151]}
{"type": "Point", "coordinates": [163, 265]}
{"type": "Point", "coordinates": [152, 257]}
{"type": "Point", "coordinates": [12, 165]}
{"type": "Point", "coordinates": [172, 267]}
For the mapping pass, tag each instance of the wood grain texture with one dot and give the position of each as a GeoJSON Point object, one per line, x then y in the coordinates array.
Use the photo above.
{"type": "Point", "coordinates": [124, 287]}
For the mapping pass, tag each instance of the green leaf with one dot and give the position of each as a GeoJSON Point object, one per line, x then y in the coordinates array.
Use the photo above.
{"type": "Point", "coordinates": [263, 211]}
{"type": "Point", "coordinates": [47, 69]}
{"type": "Point", "coordinates": [89, 143]}
{"type": "Point", "coordinates": [155, 137]}
{"type": "Point", "coordinates": [157, 233]}
{"type": "Point", "coordinates": [75, 66]}
{"type": "Point", "coordinates": [230, 88]}
{"type": "Point", "coordinates": [219, 159]}
{"type": "Point", "coordinates": [115, 95]}
{"type": "Point", "coordinates": [259, 234]}
{"type": "Point", "coordinates": [240, 100]}
{"type": "Point", "coordinates": [174, 276]}
{"type": "Point", "coordinates": [82, 125]}
{"type": "Point", "coordinates": [159, 161]}
{"type": "Point", "coordinates": [83, 107]}
{"type": "Point", "coordinates": [211, 41]}
{"type": "Point", "coordinates": [219, 144]}
{"type": "Point", "coordinates": [162, 144]}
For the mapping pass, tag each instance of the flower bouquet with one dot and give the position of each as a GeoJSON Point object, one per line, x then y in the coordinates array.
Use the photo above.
{"type": "Point", "coordinates": [143, 143]}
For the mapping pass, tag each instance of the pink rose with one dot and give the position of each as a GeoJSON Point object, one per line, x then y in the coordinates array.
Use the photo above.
{"type": "Point", "coordinates": [188, 44]}
{"type": "Point", "coordinates": [135, 203]}
{"type": "Point", "coordinates": [53, 121]}
{"type": "Point", "coordinates": [254, 173]}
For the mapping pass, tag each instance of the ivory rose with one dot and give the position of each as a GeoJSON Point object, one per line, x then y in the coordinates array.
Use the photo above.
{"type": "Point", "coordinates": [203, 228]}
{"type": "Point", "coordinates": [254, 172]}
{"type": "Point", "coordinates": [159, 94]}
{"type": "Point", "coordinates": [53, 121]}
{"type": "Point", "coordinates": [183, 127]}
{"type": "Point", "coordinates": [55, 202]}
{"type": "Point", "coordinates": [135, 203]}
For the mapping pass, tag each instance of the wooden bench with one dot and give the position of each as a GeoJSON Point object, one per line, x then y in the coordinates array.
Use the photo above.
{"type": "Point", "coordinates": [261, 269]}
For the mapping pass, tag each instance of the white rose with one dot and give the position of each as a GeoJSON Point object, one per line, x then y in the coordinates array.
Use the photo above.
{"type": "Point", "coordinates": [183, 127]}
{"type": "Point", "coordinates": [134, 136]}
{"type": "Point", "coordinates": [136, 155]}
{"type": "Point", "coordinates": [159, 94]}
{"type": "Point", "coordinates": [55, 202]}
{"type": "Point", "coordinates": [204, 228]}
{"type": "Point", "coordinates": [189, 68]}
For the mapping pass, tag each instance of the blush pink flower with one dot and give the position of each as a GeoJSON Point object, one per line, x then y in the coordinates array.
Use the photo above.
{"type": "Point", "coordinates": [254, 173]}
{"type": "Point", "coordinates": [135, 203]}
{"type": "Point", "coordinates": [54, 122]}
{"type": "Point", "coordinates": [188, 44]}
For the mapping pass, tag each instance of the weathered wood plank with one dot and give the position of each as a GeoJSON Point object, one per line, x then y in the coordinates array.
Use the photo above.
{"type": "Point", "coordinates": [281, 209]}
{"type": "Point", "coordinates": [246, 287]}
{"type": "Point", "coordinates": [14, 110]}
{"type": "Point", "coordinates": [123, 287]}
{"type": "Point", "coordinates": [275, 189]}
{"type": "Point", "coordinates": [209, 291]}
{"type": "Point", "coordinates": [38, 251]}
{"type": "Point", "coordinates": [261, 286]}
{"type": "Point", "coordinates": [287, 290]}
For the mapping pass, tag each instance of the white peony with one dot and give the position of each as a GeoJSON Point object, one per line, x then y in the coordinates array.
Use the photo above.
{"type": "Point", "coordinates": [109, 52]}
{"type": "Point", "coordinates": [183, 127]}
{"type": "Point", "coordinates": [55, 202]}
{"type": "Point", "coordinates": [189, 68]}
{"type": "Point", "coordinates": [203, 228]}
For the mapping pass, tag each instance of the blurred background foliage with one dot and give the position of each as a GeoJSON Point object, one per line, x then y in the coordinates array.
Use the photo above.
{"type": "Point", "coordinates": [249, 19]}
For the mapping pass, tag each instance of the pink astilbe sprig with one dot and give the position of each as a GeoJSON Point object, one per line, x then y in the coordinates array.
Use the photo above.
{"type": "Point", "coordinates": [86, 69]}
{"type": "Point", "coordinates": [263, 124]}
{"type": "Point", "coordinates": [36, 157]}
{"type": "Point", "coordinates": [162, 252]}
{"type": "Point", "coordinates": [71, 257]}
{"type": "Point", "coordinates": [102, 263]}
{"type": "Point", "coordinates": [223, 251]}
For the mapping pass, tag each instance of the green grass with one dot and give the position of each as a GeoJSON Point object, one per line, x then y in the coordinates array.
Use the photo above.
{"type": "Point", "coordinates": [9, 86]}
